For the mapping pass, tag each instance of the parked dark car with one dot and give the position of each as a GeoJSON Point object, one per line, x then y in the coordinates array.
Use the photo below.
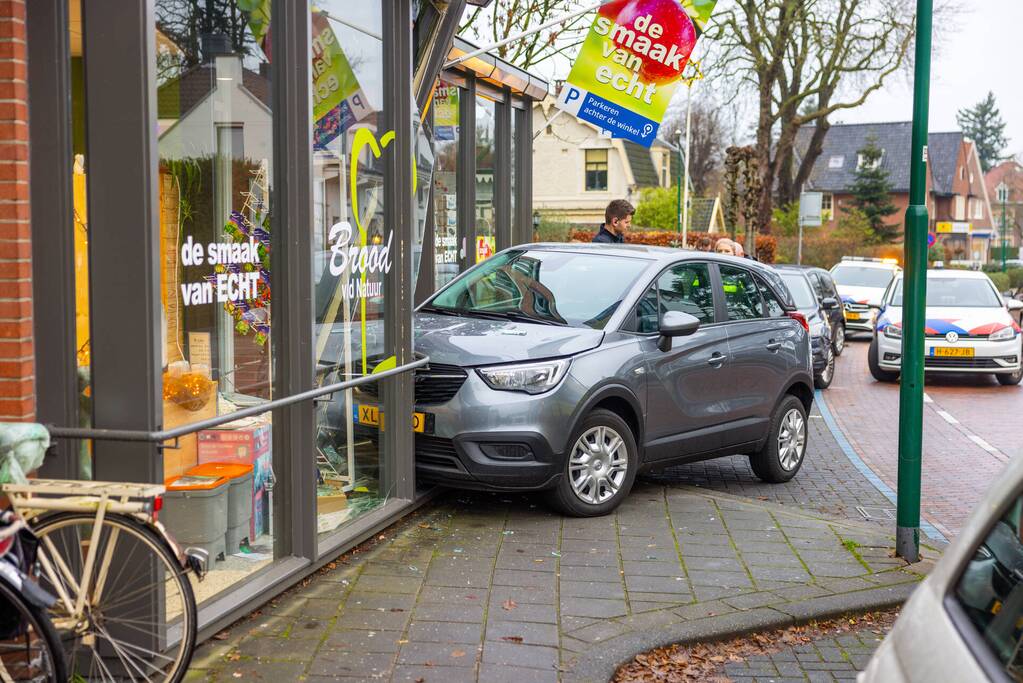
{"type": "Point", "coordinates": [568, 368]}
{"type": "Point", "coordinates": [813, 292]}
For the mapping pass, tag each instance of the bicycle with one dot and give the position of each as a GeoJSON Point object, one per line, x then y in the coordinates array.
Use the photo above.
{"type": "Point", "coordinates": [30, 648]}
{"type": "Point", "coordinates": [124, 602]}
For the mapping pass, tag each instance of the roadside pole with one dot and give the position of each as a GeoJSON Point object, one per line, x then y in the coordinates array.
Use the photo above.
{"type": "Point", "coordinates": [685, 182]}
{"type": "Point", "coordinates": [1005, 196]}
{"type": "Point", "coordinates": [678, 212]}
{"type": "Point", "coordinates": [911, 389]}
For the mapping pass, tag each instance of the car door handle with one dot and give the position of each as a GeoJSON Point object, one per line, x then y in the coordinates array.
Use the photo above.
{"type": "Point", "coordinates": [716, 360]}
{"type": "Point", "coordinates": [773, 345]}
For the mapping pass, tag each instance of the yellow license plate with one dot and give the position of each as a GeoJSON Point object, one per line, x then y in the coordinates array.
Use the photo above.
{"type": "Point", "coordinates": [849, 315]}
{"type": "Point", "coordinates": [372, 417]}
{"type": "Point", "coordinates": [952, 352]}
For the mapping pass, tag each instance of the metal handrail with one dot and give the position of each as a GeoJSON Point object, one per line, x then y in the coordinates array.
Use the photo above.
{"type": "Point", "coordinates": [177, 432]}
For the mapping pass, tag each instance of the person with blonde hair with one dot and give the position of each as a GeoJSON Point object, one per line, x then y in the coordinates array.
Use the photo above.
{"type": "Point", "coordinates": [725, 246]}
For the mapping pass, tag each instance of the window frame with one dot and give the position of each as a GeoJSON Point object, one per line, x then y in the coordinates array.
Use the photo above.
{"type": "Point", "coordinates": [717, 293]}
{"type": "Point", "coordinates": [724, 305]}
{"type": "Point", "coordinates": [586, 169]}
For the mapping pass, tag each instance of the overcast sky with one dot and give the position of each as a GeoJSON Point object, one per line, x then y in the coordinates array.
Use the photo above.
{"type": "Point", "coordinates": [984, 52]}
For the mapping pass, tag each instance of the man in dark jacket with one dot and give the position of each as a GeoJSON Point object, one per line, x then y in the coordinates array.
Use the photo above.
{"type": "Point", "coordinates": [617, 221]}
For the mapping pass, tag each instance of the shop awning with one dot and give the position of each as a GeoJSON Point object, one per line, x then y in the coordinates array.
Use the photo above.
{"type": "Point", "coordinates": [499, 72]}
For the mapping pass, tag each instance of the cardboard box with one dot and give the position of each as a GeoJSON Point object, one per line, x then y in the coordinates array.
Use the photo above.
{"type": "Point", "coordinates": [245, 442]}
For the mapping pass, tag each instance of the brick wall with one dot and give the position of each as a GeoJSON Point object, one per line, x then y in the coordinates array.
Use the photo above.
{"type": "Point", "coordinates": [17, 373]}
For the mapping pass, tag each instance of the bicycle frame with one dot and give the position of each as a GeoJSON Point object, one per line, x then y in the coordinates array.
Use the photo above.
{"type": "Point", "coordinates": [40, 497]}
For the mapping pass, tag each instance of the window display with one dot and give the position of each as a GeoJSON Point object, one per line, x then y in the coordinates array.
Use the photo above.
{"type": "Point", "coordinates": [486, 234]}
{"type": "Point", "coordinates": [445, 188]}
{"type": "Point", "coordinates": [215, 176]}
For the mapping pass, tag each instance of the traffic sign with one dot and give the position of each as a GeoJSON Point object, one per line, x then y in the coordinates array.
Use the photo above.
{"type": "Point", "coordinates": [931, 239]}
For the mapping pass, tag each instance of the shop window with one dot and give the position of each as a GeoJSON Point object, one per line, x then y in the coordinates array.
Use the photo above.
{"type": "Point", "coordinates": [485, 233]}
{"type": "Point", "coordinates": [512, 162]}
{"type": "Point", "coordinates": [596, 170]}
{"type": "Point", "coordinates": [353, 249]}
{"type": "Point", "coordinates": [445, 107]}
{"type": "Point", "coordinates": [215, 146]}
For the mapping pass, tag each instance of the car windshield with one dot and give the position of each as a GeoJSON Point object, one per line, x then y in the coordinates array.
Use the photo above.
{"type": "Point", "coordinates": [800, 289]}
{"type": "Point", "coordinates": [862, 276]}
{"type": "Point", "coordinates": [552, 287]}
{"type": "Point", "coordinates": [955, 292]}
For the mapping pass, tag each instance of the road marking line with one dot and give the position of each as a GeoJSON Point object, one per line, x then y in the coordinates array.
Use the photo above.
{"type": "Point", "coordinates": [982, 443]}
{"type": "Point", "coordinates": [947, 417]}
{"type": "Point", "coordinates": [928, 399]}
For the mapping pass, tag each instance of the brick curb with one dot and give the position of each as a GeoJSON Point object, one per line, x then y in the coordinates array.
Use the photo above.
{"type": "Point", "coordinates": [600, 663]}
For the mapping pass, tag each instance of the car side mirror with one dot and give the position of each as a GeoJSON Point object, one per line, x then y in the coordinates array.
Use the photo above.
{"type": "Point", "coordinates": [829, 302]}
{"type": "Point", "coordinates": [1013, 304]}
{"type": "Point", "coordinates": [675, 324]}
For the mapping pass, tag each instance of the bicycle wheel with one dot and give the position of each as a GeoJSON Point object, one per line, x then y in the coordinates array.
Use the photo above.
{"type": "Point", "coordinates": [30, 648]}
{"type": "Point", "coordinates": [139, 618]}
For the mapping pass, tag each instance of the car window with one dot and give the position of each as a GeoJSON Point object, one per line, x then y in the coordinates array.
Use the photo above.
{"type": "Point", "coordinates": [686, 288]}
{"type": "Point", "coordinates": [862, 276]}
{"type": "Point", "coordinates": [957, 292]}
{"type": "Point", "coordinates": [818, 286]}
{"type": "Point", "coordinates": [990, 591]}
{"type": "Point", "coordinates": [800, 289]}
{"type": "Point", "coordinates": [773, 306]}
{"type": "Point", "coordinates": [646, 318]}
{"type": "Point", "coordinates": [741, 296]}
{"type": "Point", "coordinates": [829, 285]}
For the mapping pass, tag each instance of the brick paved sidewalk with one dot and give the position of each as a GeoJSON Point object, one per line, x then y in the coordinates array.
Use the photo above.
{"type": "Point", "coordinates": [496, 588]}
{"type": "Point", "coordinates": [827, 660]}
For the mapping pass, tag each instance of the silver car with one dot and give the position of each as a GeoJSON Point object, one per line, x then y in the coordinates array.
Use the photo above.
{"type": "Point", "coordinates": [569, 368]}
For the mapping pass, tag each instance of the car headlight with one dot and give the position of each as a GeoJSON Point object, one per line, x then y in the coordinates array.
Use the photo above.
{"type": "Point", "coordinates": [1004, 334]}
{"type": "Point", "coordinates": [893, 332]}
{"type": "Point", "coordinates": [817, 329]}
{"type": "Point", "coordinates": [532, 378]}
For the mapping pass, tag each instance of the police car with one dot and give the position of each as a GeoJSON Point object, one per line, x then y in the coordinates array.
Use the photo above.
{"type": "Point", "coordinates": [967, 328]}
{"type": "Point", "coordinates": [861, 284]}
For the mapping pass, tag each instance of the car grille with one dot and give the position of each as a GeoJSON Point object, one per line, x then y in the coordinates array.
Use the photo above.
{"type": "Point", "coordinates": [857, 308]}
{"type": "Point", "coordinates": [967, 363]}
{"type": "Point", "coordinates": [435, 383]}
{"type": "Point", "coordinates": [941, 337]}
{"type": "Point", "coordinates": [437, 452]}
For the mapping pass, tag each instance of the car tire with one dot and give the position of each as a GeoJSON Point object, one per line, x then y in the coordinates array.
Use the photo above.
{"type": "Point", "coordinates": [838, 339]}
{"type": "Point", "coordinates": [827, 375]}
{"type": "Point", "coordinates": [875, 369]}
{"type": "Point", "coordinates": [775, 463]}
{"type": "Point", "coordinates": [1010, 380]}
{"type": "Point", "coordinates": [585, 488]}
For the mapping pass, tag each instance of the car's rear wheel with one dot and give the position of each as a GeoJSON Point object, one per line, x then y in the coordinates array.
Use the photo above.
{"type": "Point", "coordinates": [838, 339]}
{"type": "Point", "coordinates": [1010, 380]}
{"type": "Point", "coordinates": [823, 379]}
{"type": "Point", "coordinates": [782, 455]}
{"type": "Point", "coordinates": [600, 466]}
{"type": "Point", "coordinates": [876, 371]}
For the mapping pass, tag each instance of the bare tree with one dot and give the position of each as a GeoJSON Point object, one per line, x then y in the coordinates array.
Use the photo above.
{"type": "Point", "coordinates": [708, 139]}
{"type": "Point", "coordinates": [183, 22]}
{"type": "Point", "coordinates": [505, 18]}
{"type": "Point", "coordinates": [806, 60]}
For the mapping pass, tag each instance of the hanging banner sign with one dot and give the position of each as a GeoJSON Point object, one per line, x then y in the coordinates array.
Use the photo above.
{"type": "Point", "coordinates": [630, 64]}
{"type": "Point", "coordinates": [445, 111]}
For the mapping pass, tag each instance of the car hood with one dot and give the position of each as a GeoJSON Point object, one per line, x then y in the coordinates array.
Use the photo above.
{"type": "Point", "coordinates": [861, 295]}
{"type": "Point", "coordinates": [465, 341]}
{"type": "Point", "coordinates": [962, 321]}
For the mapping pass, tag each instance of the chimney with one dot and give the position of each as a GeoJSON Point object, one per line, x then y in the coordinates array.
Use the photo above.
{"type": "Point", "coordinates": [213, 45]}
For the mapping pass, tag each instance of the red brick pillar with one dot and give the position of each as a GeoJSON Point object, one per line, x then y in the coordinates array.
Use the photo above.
{"type": "Point", "coordinates": [17, 371]}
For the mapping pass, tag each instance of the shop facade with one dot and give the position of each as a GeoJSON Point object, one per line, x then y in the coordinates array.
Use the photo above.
{"type": "Point", "coordinates": [235, 208]}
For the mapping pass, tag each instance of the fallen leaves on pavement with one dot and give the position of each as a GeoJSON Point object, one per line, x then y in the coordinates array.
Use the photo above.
{"type": "Point", "coordinates": [699, 662]}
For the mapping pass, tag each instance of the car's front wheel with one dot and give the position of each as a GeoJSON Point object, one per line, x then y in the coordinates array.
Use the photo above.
{"type": "Point", "coordinates": [1010, 380]}
{"type": "Point", "coordinates": [782, 455]}
{"type": "Point", "coordinates": [823, 379]}
{"type": "Point", "coordinates": [838, 339]}
{"type": "Point", "coordinates": [876, 371]}
{"type": "Point", "coordinates": [600, 466]}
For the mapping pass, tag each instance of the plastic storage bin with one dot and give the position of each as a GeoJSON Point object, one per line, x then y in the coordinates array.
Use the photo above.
{"type": "Point", "coordinates": [195, 512]}
{"type": "Point", "coordinates": [239, 498]}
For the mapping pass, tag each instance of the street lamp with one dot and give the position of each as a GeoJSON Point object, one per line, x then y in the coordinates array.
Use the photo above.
{"type": "Point", "coordinates": [678, 213]}
{"type": "Point", "coordinates": [911, 387]}
{"type": "Point", "coordinates": [1003, 194]}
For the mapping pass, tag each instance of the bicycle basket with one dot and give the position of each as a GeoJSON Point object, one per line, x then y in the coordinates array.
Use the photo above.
{"type": "Point", "coordinates": [22, 449]}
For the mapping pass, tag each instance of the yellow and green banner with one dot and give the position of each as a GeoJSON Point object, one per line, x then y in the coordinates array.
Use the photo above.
{"type": "Point", "coordinates": [631, 62]}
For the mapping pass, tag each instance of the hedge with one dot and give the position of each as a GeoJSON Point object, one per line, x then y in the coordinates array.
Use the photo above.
{"type": "Point", "coordinates": [1001, 281]}
{"type": "Point", "coordinates": [767, 245]}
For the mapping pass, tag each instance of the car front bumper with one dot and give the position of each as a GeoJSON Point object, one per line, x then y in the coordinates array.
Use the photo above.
{"type": "Point", "coordinates": [498, 440]}
{"type": "Point", "coordinates": [997, 357]}
{"type": "Point", "coordinates": [860, 318]}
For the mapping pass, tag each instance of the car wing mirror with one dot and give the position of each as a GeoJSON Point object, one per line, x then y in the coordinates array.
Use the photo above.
{"type": "Point", "coordinates": [829, 302]}
{"type": "Point", "coordinates": [675, 324]}
{"type": "Point", "coordinates": [1013, 304]}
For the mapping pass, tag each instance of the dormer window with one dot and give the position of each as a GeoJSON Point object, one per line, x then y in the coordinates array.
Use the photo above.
{"type": "Point", "coordinates": [862, 163]}
{"type": "Point", "coordinates": [836, 162]}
